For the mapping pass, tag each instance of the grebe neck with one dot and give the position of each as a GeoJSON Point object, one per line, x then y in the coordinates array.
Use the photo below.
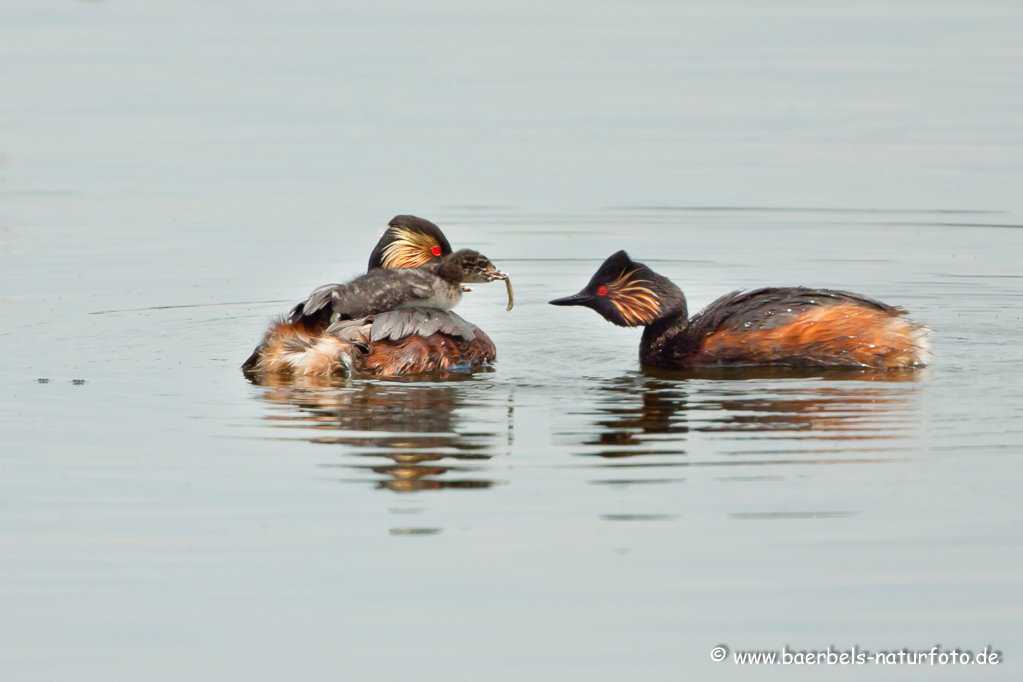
{"type": "Point", "coordinates": [662, 336]}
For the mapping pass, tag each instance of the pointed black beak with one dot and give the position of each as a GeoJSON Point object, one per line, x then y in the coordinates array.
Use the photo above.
{"type": "Point", "coordinates": [582, 298]}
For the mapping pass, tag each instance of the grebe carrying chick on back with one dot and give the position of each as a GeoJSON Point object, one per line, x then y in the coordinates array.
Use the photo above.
{"type": "Point", "coordinates": [774, 326]}
{"type": "Point", "coordinates": [394, 320]}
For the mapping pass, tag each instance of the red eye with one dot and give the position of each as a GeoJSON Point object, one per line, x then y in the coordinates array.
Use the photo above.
{"type": "Point", "coordinates": [602, 290]}
{"type": "Point", "coordinates": [435, 250]}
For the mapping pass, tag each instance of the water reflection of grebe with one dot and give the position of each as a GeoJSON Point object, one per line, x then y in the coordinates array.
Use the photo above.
{"type": "Point", "coordinates": [412, 423]}
{"type": "Point", "coordinates": [655, 412]}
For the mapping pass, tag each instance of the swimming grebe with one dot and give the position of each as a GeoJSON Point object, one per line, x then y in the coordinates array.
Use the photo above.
{"type": "Point", "coordinates": [387, 322]}
{"type": "Point", "coordinates": [792, 326]}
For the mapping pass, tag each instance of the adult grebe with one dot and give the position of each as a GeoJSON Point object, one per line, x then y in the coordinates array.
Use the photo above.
{"type": "Point", "coordinates": [387, 322]}
{"type": "Point", "coordinates": [791, 326]}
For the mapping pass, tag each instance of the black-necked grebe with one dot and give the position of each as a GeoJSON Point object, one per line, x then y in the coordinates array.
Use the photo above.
{"type": "Point", "coordinates": [792, 326]}
{"type": "Point", "coordinates": [391, 321]}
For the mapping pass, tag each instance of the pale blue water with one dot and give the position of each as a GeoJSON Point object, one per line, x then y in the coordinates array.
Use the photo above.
{"type": "Point", "coordinates": [173, 175]}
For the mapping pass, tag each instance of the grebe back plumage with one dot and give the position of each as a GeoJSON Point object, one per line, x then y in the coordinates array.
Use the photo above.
{"type": "Point", "coordinates": [392, 343]}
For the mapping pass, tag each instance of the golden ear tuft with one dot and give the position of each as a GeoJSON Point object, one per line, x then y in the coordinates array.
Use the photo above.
{"type": "Point", "coordinates": [633, 299]}
{"type": "Point", "coordinates": [409, 249]}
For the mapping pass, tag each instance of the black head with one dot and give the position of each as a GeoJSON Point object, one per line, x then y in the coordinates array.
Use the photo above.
{"type": "Point", "coordinates": [468, 266]}
{"type": "Point", "coordinates": [408, 242]}
{"type": "Point", "coordinates": [629, 294]}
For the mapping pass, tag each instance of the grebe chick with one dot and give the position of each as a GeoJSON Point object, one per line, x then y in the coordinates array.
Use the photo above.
{"type": "Point", "coordinates": [437, 284]}
{"type": "Point", "coordinates": [790, 326]}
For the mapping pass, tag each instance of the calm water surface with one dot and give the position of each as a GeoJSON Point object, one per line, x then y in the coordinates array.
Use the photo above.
{"type": "Point", "coordinates": [171, 177]}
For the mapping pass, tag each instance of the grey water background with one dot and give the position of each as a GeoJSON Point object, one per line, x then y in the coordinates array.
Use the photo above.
{"type": "Point", "coordinates": [173, 174]}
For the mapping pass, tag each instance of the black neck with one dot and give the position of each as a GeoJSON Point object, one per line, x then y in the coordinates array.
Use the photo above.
{"type": "Point", "coordinates": [665, 338]}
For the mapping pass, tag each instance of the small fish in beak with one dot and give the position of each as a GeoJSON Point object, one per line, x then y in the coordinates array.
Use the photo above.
{"type": "Point", "coordinates": [508, 285]}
